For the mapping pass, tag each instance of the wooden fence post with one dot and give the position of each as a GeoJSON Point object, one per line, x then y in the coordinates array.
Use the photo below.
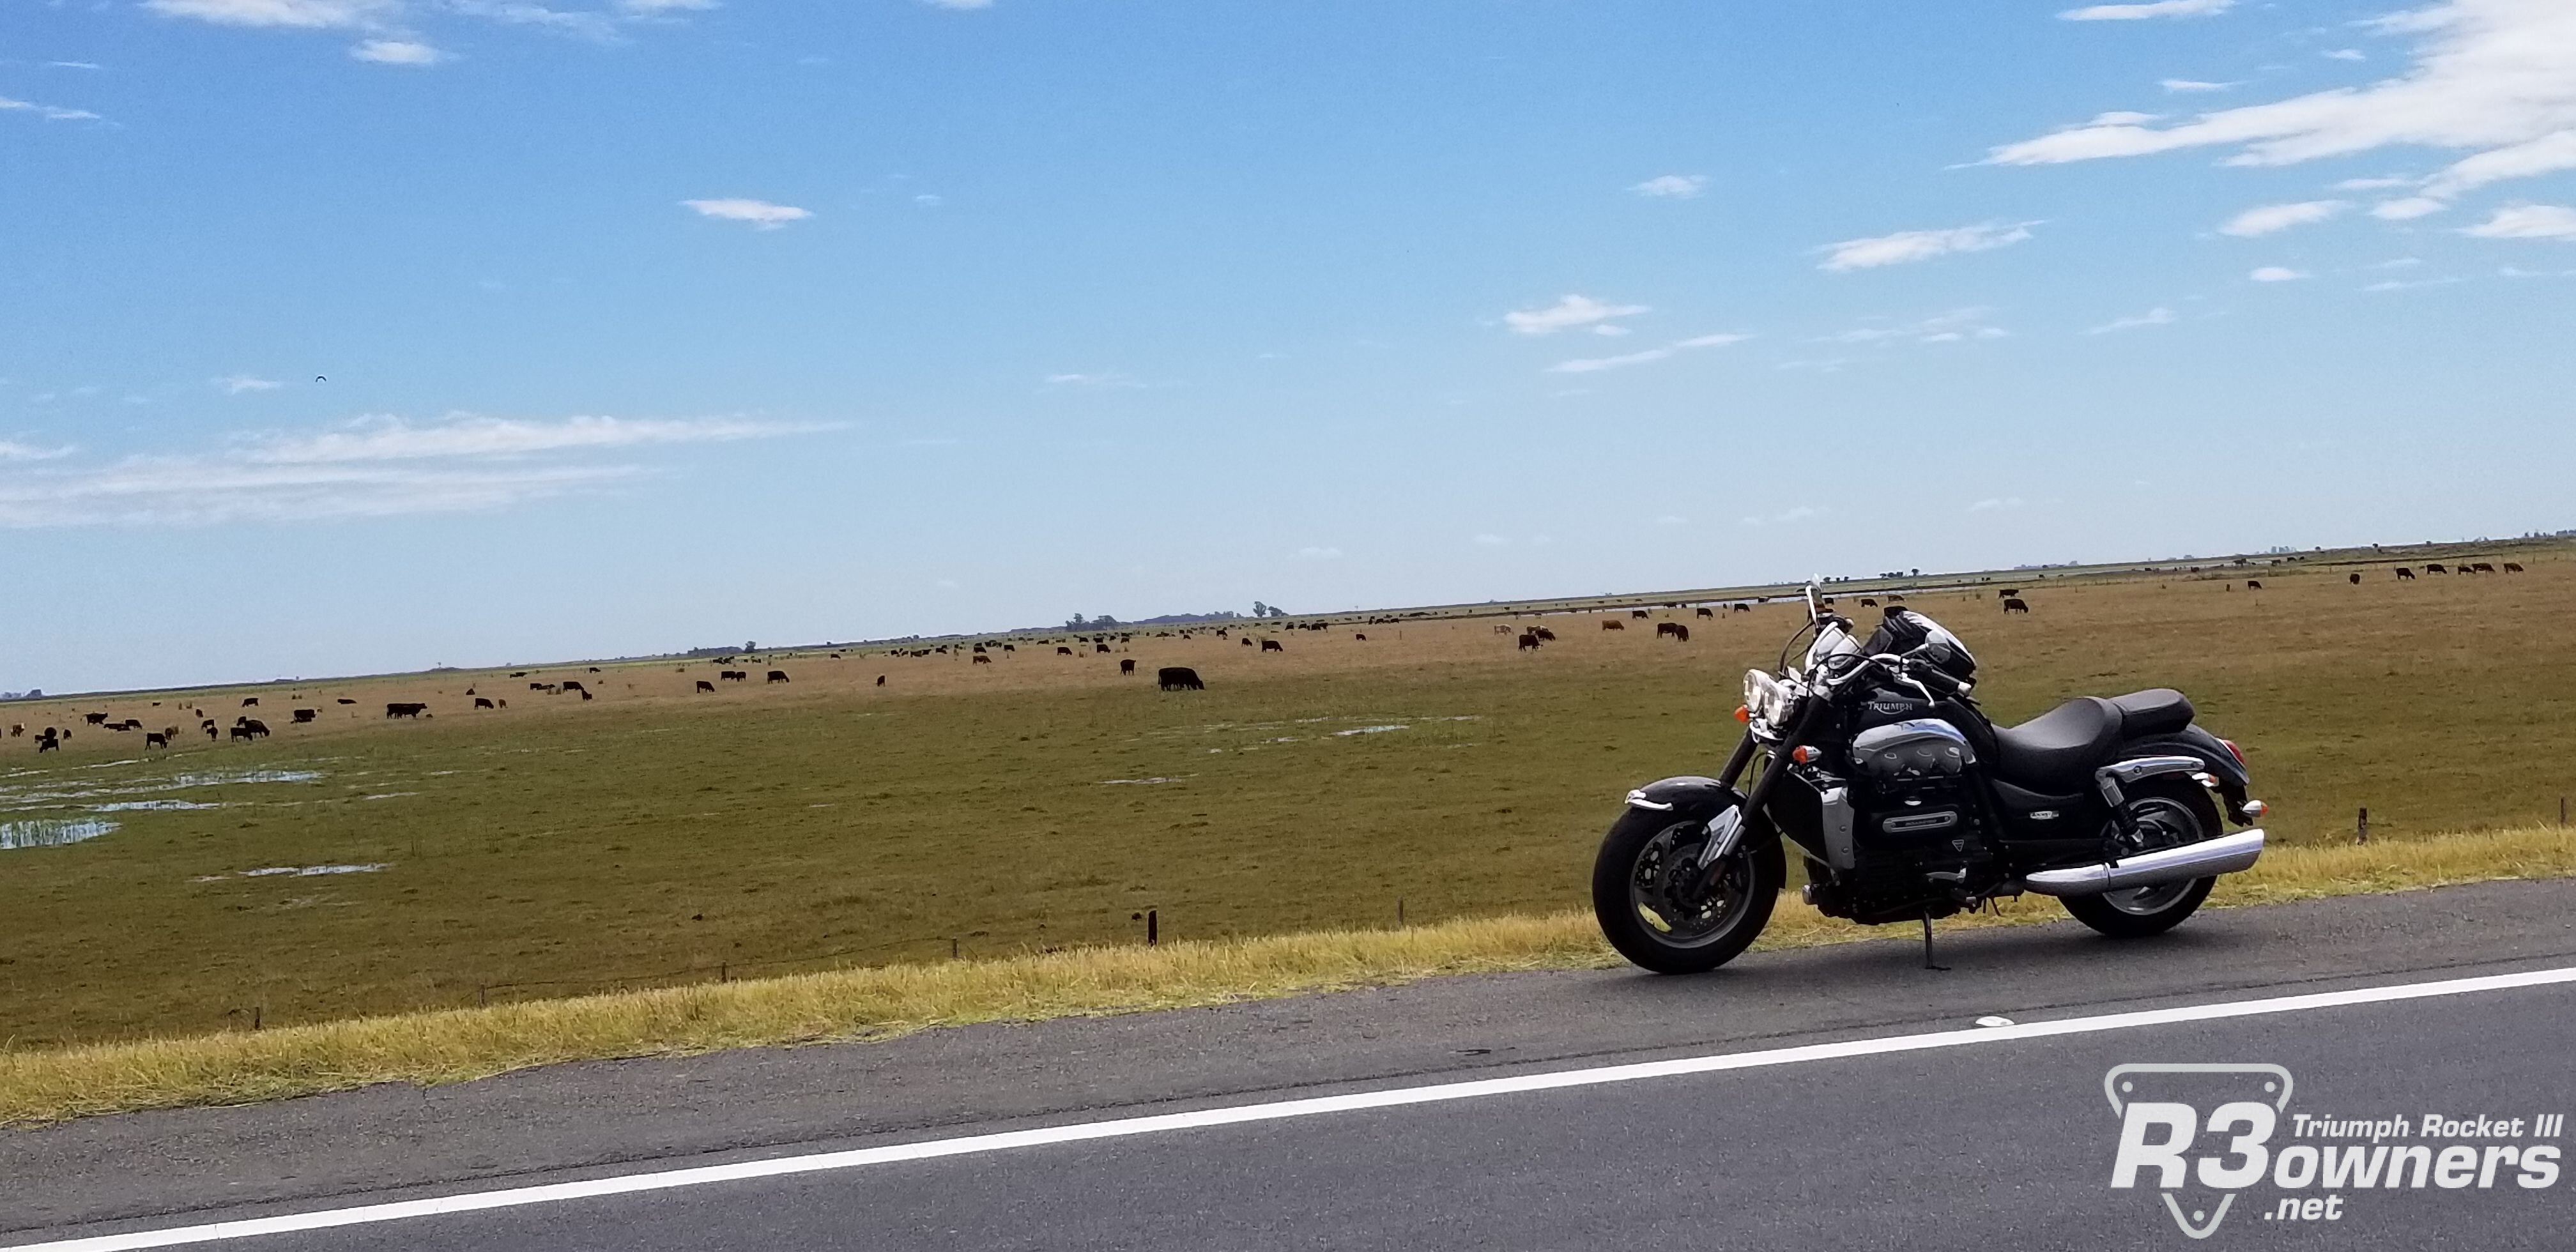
{"type": "Point", "coordinates": [2361, 831]}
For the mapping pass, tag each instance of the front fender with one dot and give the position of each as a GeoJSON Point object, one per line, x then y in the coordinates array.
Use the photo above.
{"type": "Point", "coordinates": [1687, 796]}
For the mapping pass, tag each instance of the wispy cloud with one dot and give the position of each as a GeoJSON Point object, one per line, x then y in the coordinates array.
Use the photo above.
{"type": "Point", "coordinates": [1568, 312]}
{"type": "Point", "coordinates": [290, 14]}
{"type": "Point", "coordinates": [2157, 316]}
{"type": "Point", "coordinates": [2408, 208]}
{"type": "Point", "coordinates": [2139, 12]}
{"type": "Point", "coordinates": [761, 214]}
{"type": "Point", "coordinates": [237, 384]}
{"type": "Point", "coordinates": [49, 112]}
{"type": "Point", "coordinates": [377, 467]}
{"type": "Point", "coordinates": [2180, 86]}
{"type": "Point", "coordinates": [959, 4]}
{"type": "Point", "coordinates": [1673, 186]}
{"type": "Point", "coordinates": [2276, 274]}
{"type": "Point", "coordinates": [1798, 514]}
{"type": "Point", "coordinates": [1596, 364]}
{"type": "Point", "coordinates": [1095, 381]}
{"type": "Point", "coordinates": [2527, 221]}
{"type": "Point", "coordinates": [1908, 246]}
{"type": "Point", "coordinates": [11, 450]}
{"type": "Point", "coordinates": [2269, 219]}
{"type": "Point", "coordinates": [1996, 504]}
{"type": "Point", "coordinates": [1955, 326]}
{"type": "Point", "coordinates": [397, 52]}
{"type": "Point", "coordinates": [2345, 54]}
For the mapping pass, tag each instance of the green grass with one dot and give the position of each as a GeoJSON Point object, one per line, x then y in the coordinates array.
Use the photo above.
{"type": "Point", "coordinates": [644, 836]}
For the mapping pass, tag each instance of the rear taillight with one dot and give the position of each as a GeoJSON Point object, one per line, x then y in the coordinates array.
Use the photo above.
{"type": "Point", "coordinates": [2233, 750]}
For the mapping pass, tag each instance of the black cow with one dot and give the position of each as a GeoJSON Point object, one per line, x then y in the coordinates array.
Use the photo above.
{"type": "Point", "coordinates": [345, 700]}
{"type": "Point", "coordinates": [1359, 638]}
{"type": "Point", "coordinates": [1544, 635]}
{"type": "Point", "coordinates": [1178, 678]}
{"type": "Point", "coordinates": [481, 703]}
{"type": "Point", "coordinates": [2485, 567]}
{"type": "Point", "coordinates": [250, 701]}
{"type": "Point", "coordinates": [570, 685]}
{"type": "Point", "coordinates": [50, 741]}
{"type": "Point", "coordinates": [2256, 584]}
{"type": "Point", "coordinates": [301, 716]}
{"type": "Point", "coordinates": [1867, 603]}
{"type": "Point", "coordinates": [777, 676]}
{"type": "Point", "coordinates": [704, 685]}
{"type": "Point", "coordinates": [1529, 643]}
{"type": "Point", "coordinates": [252, 725]}
{"type": "Point", "coordinates": [156, 740]}
{"type": "Point", "coordinates": [2014, 605]}
{"type": "Point", "coordinates": [412, 710]}
{"type": "Point", "coordinates": [1063, 651]}
{"type": "Point", "coordinates": [1273, 645]}
{"type": "Point", "coordinates": [594, 669]}
{"type": "Point", "coordinates": [2435, 568]}
{"type": "Point", "coordinates": [1127, 665]}
{"type": "Point", "coordinates": [1636, 613]}
{"type": "Point", "coordinates": [1705, 611]}
{"type": "Point", "coordinates": [1101, 649]}
{"type": "Point", "coordinates": [2356, 580]}
{"type": "Point", "coordinates": [518, 673]}
{"type": "Point", "coordinates": [212, 733]}
{"type": "Point", "coordinates": [1744, 608]}
{"type": "Point", "coordinates": [1673, 630]}
{"type": "Point", "coordinates": [1245, 641]}
{"type": "Point", "coordinates": [2405, 575]}
{"type": "Point", "coordinates": [2008, 593]}
{"type": "Point", "coordinates": [94, 719]}
{"type": "Point", "coordinates": [880, 680]}
{"type": "Point", "coordinates": [2512, 568]}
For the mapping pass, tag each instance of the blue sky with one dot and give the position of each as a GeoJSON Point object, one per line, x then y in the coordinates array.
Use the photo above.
{"type": "Point", "coordinates": [669, 323]}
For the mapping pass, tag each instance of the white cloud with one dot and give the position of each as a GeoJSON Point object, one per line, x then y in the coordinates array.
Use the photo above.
{"type": "Point", "coordinates": [1673, 186]}
{"type": "Point", "coordinates": [582, 23]}
{"type": "Point", "coordinates": [1317, 554]}
{"type": "Point", "coordinates": [2276, 274]}
{"type": "Point", "coordinates": [1908, 246]}
{"type": "Point", "coordinates": [1597, 364]}
{"type": "Point", "coordinates": [2270, 218]}
{"type": "Point", "coordinates": [1955, 326]}
{"type": "Point", "coordinates": [760, 213]}
{"type": "Point", "coordinates": [1092, 380]}
{"type": "Point", "coordinates": [49, 112]}
{"type": "Point", "coordinates": [2527, 221]}
{"type": "Point", "coordinates": [236, 384]}
{"type": "Point", "coordinates": [397, 52]}
{"type": "Point", "coordinates": [1567, 313]}
{"type": "Point", "coordinates": [959, 4]}
{"type": "Point", "coordinates": [468, 435]}
{"type": "Point", "coordinates": [74, 65]}
{"type": "Point", "coordinates": [2407, 209]}
{"type": "Point", "coordinates": [2158, 8]}
{"type": "Point", "coordinates": [2181, 85]}
{"type": "Point", "coordinates": [2494, 78]}
{"type": "Point", "coordinates": [2373, 184]}
{"type": "Point", "coordinates": [1798, 514]}
{"type": "Point", "coordinates": [1994, 504]}
{"type": "Point", "coordinates": [929, 201]}
{"type": "Point", "coordinates": [2157, 316]}
{"type": "Point", "coordinates": [1609, 331]}
{"type": "Point", "coordinates": [2345, 54]}
{"type": "Point", "coordinates": [14, 451]}
{"type": "Point", "coordinates": [293, 14]}
{"type": "Point", "coordinates": [656, 8]}
{"type": "Point", "coordinates": [2396, 284]}
{"type": "Point", "coordinates": [1672, 519]}
{"type": "Point", "coordinates": [1492, 541]}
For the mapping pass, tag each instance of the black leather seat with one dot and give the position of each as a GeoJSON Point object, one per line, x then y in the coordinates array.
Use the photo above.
{"type": "Point", "coordinates": [2057, 751]}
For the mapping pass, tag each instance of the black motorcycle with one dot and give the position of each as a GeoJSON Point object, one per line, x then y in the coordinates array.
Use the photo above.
{"type": "Point", "coordinates": [1906, 803]}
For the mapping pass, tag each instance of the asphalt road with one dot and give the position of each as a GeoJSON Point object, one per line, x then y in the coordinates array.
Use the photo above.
{"type": "Point", "coordinates": [2001, 1141]}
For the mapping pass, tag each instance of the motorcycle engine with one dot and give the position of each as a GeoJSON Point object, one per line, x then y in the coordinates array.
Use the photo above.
{"type": "Point", "coordinates": [1915, 830]}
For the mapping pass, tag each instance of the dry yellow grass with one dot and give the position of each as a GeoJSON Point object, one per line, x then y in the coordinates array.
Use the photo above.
{"type": "Point", "coordinates": [867, 1004]}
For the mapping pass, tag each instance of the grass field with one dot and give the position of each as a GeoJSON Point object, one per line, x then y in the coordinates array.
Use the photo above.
{"type": "Point", "coordinates": [1043, 801]}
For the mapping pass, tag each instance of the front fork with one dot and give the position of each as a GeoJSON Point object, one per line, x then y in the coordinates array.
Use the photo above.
{"type": "Point", "coordinates": [1726, 830]}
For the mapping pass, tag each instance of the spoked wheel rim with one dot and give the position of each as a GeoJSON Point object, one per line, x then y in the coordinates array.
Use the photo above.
{"type": "Point", "coordinates": [2162, 823]}
{"type": "Point", "coordinates": [1669, 898]}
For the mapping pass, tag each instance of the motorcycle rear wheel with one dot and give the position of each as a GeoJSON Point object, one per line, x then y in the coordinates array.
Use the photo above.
{"type": "Point", "coordinates": [1644, 896]}
{"type": "Point", "coordinates": [2174, 813]}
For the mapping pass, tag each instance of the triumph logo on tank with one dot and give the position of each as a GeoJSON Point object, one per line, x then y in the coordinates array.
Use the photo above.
{"type": "Point", "coordinates": [2204, 1135]}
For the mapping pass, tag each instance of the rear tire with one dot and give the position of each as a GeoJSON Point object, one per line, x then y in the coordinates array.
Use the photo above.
{"type": "Point", "coordinates": [1630, 881]}
{"type": "Point", "coordinates": [2168, 805]}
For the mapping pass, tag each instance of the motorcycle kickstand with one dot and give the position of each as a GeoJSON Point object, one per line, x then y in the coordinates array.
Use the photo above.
{"type": "Point", "coordinates": [1927, 944]}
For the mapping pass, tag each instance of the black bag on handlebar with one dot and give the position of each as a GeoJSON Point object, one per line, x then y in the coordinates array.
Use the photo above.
{"type": "Point", "coordinates": [1906, 632]}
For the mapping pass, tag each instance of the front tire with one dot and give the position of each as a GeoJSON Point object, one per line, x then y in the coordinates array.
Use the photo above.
{"type": "Point", "coordinates": [1644, 895]}
{"type": "Point", "coordinates": [2169, 814]}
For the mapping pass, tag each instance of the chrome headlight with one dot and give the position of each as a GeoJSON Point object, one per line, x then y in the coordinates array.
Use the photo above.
{"type": "Point", "coordinates": [1764, 697]}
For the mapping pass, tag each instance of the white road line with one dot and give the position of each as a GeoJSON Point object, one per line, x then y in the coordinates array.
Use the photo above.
{"type": "Point", "coordinates": [665, 1180]}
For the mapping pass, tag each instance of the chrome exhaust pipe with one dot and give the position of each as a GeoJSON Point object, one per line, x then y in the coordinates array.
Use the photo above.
{"type": "Point", "coordinates": [2223, 855]}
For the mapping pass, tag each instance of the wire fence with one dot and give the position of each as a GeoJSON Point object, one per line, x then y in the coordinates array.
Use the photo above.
{"type": "Point", "coordinates": [721, 971]}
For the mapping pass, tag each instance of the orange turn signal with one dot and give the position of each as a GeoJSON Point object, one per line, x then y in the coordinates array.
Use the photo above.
{"type": "Point", "coordinates": [1802, 755]}
{"type": "Point", "coordinates": [1744, 713]}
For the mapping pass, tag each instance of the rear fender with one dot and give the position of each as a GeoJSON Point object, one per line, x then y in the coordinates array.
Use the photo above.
{"type": "Point", "coordinates": [2221, 764]}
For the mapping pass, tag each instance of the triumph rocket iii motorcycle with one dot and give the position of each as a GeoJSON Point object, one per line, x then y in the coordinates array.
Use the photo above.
{"type": "Point", "coordinates": [1870, 759]}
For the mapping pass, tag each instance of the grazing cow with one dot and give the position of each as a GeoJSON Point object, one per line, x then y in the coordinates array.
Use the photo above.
{"type": "Point", "coordinates": [160, 740]}
{"type": "Point", "coordinates": [1008, 648]}
{"type": "Point", "coordinates": [2007, 593]}
{"type": "Point", "coordinates": [243, 733]}
{"type": "Point", "coordinates": [2512, 568]}
{"type": "Point", "coordinates": [880, 680]}
{"type": "Point", "coordinates": [2014, 605]}
{"type": "Point", "coordinates": [1867, 603]}
{"type": "Point", "coordinates": [212, 733]}
{"type": "Point", "coordinates": [2433, 567]}
{"type": "Point", "coordinates": [1245, 641]}
{"type": "Point", "coordinates": [301, 716]}
{"type": "Point", "coordinates": [981, 659]}
{"type": "Point", "coordinates": [594, 669]}
{"type": "Point", "coordinates": [1544, 635]}
{"type": "Point", "coordinates": [412, 710]}
{"type": "Point", "coordinates": [252, 725]}
{"type": "Point", "coordinates": [570, 685]}
{"type": "Point", "coordinates": [1178, 678]}
{"type": "Point", "coordinates": [777, 676]}
{"type": "Point", "coordinates": [979, 649]}
{"type": "Point", "coordinates": [1529, 642]}
{"type": "Point", "coordinates": [1672, 630]}
{"type": "Point", "coordinates": [1502, 630]}
{"type": "Point", "coordinates": [1612, 623]}
{"type": "Point", "coordinates": [704, 685]}
{"type": "Point", "coordinates": [50, 741]}
{"type": "Point", "coordinates": [734, 675]}
{"type": "Point", "coordinates": [1637, 613]}
{"type": "Point", "coordinates": [345, 700]}
{"type": "Point", "coordinates": [1356, 637]}
{"type": "Point", "coordinates": [250, 702]}
{"type": "Point", "coordinates": [1063, 651]}
{"type": "Point", "coordinates": [2253, 584]}
{"type": "Point", "coordinates": [1896, 599]}
{"type": "Point", "coordinates": [130, 723]}
{"type": "Point", "coordinates": [518, 673]}
{"type": "Point", "coordinates": [1127, 665]}
{"type": "Point", "coordinates": [1705, 611]}
{"type": "Point", "coordinates": [1273, 645]}
{"type": "Point", "coordinates": [481, 703]}
{"type": "Point", "coordinates": [539, 687]}
{"type": "Point", "coordinates": [2356, 580]}
{"type": "Point", "coordinates": [1101, 649]}
{"type": "Point", "coordinates": [2405, 575]}
{"type": "Point", "coordinates": [2485, 567]}
{"type": "Point", "coordinates": [94, 719]}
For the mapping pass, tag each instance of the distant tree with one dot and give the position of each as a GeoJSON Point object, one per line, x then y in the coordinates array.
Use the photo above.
{"type": "Point", "coordinates": [1259, 609]}
{"type": "Point", "coordinates": [1075, 621]}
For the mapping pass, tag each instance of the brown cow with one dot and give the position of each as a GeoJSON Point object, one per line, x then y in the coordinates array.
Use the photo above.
{"type": "Point", "coordinates": [1612, 623]}
{"type": "Point", "coordinates": [981, 659]}
{"type": "Point", "coordinates": [1705, 611]}
{"type": "Point", "coordinates": [1529, 643]}
{"type": "Point", "coordinates": [2512, 568]}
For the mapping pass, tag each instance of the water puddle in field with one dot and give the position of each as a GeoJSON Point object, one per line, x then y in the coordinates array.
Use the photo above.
{"type": "Point", "coordinates": [1143, 782]}
{"type": "Point", "coordinates": [389, 795]}
{"type": "Point", "coordinates": [151, 806]}
{"type": "Point", "coordinates": [1367, 730]}
{"type": "Point", "coordinates": [303, 871]}
{"type": "Point", "coordinates": [52, 832]}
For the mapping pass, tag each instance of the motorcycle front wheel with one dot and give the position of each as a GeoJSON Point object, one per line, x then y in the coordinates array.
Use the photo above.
{"type": "Point", "coordinates": [1662, 912]}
